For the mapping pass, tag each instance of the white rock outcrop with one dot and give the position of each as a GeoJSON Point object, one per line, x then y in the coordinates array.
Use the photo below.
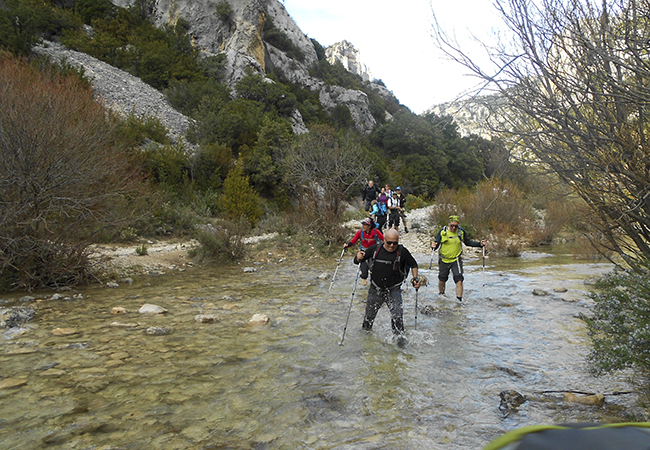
{"type": "Point", "coordinates": [344, 52]}
{"type": "Point", "coordinates": [356, 101]}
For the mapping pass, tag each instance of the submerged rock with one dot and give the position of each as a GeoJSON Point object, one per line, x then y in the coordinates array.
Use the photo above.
{"type": "Point", "coordinates": [207, 318]}
{"type": "Point", "coordinates": [15, 317]}
{"type": "Point", "coordinates": [595, 399]}
{"type": "Point", "coordinates": [158, 331]}
{"type": "Point", "coordinates": [511, 400]}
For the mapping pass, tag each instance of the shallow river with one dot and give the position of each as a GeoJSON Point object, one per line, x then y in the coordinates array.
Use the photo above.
{"type": "Point", "coordinates": [289, 384]}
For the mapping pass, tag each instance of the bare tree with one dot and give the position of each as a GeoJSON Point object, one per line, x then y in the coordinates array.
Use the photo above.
{"type": "Point", "coordinates": [60, 175]}
{"type": "Point", "coordinates": [576, 77]}
{"type": "Point", "coordinates": [324, 169]}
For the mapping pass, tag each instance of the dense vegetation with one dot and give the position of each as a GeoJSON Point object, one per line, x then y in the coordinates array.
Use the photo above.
{"type": "Point", "coordinates": [247, 169]}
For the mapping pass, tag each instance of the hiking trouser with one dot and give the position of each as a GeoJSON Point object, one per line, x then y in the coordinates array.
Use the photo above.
{"type": "Point", "coordinates": [456, 268]}
{"type": "Point", "coordinates": [394, 218]}
{"type": "Point", "coordinates": [381, 221]}
{"type": "Point", "coordinates": [364, 270]}
{"type": "Point", "coordinates": [393, 299]}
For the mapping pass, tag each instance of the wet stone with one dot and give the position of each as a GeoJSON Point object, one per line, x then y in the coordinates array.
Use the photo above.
{"type": "Point", "coordinates": [14, 317]}
{"type": "Point", "coordinates": [158, 331]}
{"type": "Point", "coordinates": [9, 383]}
{"type": "Point", "coordinates": [148, 308]}
{"type": "Point", "coordinates": [64, 331]}
{"type": "Point", "coordinates": [207, 318]}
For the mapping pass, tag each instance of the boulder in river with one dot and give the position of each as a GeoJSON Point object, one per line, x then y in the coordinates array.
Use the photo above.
{"type": "Point", "coordinates": [148, 308]}
{"type": "Point", "coordinates": [158, 331]}
{"type": "Point", "coordinates": [207, 318]}
{"type": "Point", "coordinates": [15, 317]}
{"type": "Point", "coordinates": [260, 319]}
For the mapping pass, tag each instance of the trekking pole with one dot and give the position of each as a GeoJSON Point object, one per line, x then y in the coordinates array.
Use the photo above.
{"type": "Point", "coordinates": [433, 250]}
{"type": "Point", "coordinates": [416, 309]}
{"type": "Point", "coordinates": [351, 301]}
{"type": "Point", "coordinates": [337, 269]}
{"type": "Point", "coordinates": [483, 271]}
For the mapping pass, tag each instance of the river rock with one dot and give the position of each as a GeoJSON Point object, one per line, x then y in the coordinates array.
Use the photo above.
{"type": "Point", "coordinates": [119, 310]}
{"type": "Point", "coordinates": [539, 292]}
{"type": "Point", "coordinates": [429, 310]}
{"type": "Point", "coordinates": [511, 400]}
{"type": "Point", "coordinates": [9, 383]}
{"type": "Point", "coordinates": [158, 331]}
{"type": "Point", "coordinates": [596, 399]}
{"type": "Point", "coordinates": [112, 284]}
{"type": "Point", "coordinates": [260, 319]}
{"type": "Point", "coordinates": [148, 308]}
{"type": "Point", "coordinates": [250, 269]}
{"type": "Point", "coordinates": [560, 289]}
{"type": "Point", "coordinates": [56, 296]}
{"type": "Point", "coordinates": [26, 298]}
{"type": "Point", "coordinates": [124, 325]}
{"type": "Point", "coordinates": [207, 318]}
{"type": "Point", "coordinates": [323, 276]}
{"type": "Point", "coordinates": [64, 331]}
{"type": "Point", "coordinates": [14, 317]}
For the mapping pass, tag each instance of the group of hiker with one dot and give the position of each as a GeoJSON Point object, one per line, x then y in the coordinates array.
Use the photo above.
{"type": "Point", "coordinates": [385, 206]}
{"type": "Point", "coordinates": [387, 263]}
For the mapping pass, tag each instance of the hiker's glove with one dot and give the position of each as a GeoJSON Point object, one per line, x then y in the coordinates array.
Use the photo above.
{"type": "Point", "coordinates": [415, 280]}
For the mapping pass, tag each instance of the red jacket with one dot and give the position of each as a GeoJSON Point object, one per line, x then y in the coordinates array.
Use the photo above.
{"type": "Point", "coordinates": [369, 239]}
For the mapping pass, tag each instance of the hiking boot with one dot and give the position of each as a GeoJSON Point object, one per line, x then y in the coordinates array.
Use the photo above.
{"type": "Point", "coordinates": [406, 229]}
{"type": "Point", "coordinates": [460, 299]}
{"type": "Point", "coordinates": [364, 281]}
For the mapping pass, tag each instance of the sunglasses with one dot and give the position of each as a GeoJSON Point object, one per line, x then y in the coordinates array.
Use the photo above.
{"type": "Point", "coordinates": [392, 242]}
{"type": "Point", "coordinates": [453, 226]}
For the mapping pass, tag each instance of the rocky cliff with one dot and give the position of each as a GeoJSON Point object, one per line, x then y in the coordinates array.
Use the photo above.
{"type": "Point", "coordinates": [344, 52]}
{"type": "Point", "coordinates": [474, 115]}
{"type": "Point", "coordinates": [239, 35]}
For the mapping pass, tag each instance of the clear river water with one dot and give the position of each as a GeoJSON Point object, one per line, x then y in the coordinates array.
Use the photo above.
{"type": "Point", "coordinates": [289, 384]}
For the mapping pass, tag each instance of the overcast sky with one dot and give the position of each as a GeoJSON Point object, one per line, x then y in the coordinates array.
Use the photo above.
{"type": "Point", "coordinates": [394, 41]}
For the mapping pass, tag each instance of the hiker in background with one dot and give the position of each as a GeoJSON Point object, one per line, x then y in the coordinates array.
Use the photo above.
{"type": "Point", "coordinates": [383, 209]}
{"type": "Point", "coordinates": [450, 240]}
{"type": "Point", "coordinates": [393, 211]}
{"type": "Point", "coordinates": [402, 202]}
{"type": "Point", "coordinates": [369, 194]}
{"type": "Point", "coordinates": [389, 265]}
{"type": "Point", "coordinates": [389, 193]}
{"type": "Point", "coordinates": [367, 236]}
{"type": "Point", "coordinates": [374, 210]}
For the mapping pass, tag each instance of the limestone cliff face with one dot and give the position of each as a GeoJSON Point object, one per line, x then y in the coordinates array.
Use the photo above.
{"type": "Point", "coordinates": [473, 115]}
{"type": "Point", "coordinates": [344, 52]}
{"type": "Point", "coordinates": [240, 37]}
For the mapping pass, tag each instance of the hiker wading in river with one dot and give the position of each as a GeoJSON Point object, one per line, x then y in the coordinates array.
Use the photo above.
{"type": "Point", "coordinates": [450, 240]}
{"type": "Point", "coordinates": [389, 264]}
{"type": "Point", "coordinates": [367, 236]}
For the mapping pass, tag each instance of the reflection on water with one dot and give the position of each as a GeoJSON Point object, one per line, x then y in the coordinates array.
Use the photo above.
{"type": "Point", "coordinates": [289, 384]}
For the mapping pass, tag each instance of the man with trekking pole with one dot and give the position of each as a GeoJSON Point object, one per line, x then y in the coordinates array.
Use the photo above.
{"type": "Point", "coordinates": [389, 263]}
{"type": "Point", "coordinates": [449, 242]}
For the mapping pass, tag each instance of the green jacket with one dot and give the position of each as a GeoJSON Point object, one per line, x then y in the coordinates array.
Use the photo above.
{"type": "Point", "coordinates": [450, 243]}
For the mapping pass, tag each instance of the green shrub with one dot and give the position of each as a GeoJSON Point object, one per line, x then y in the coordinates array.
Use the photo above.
{"type": "Point", "coordinates": [221, 242]}
{"type": "Point", "coordinates": [136, 130]}
{"type": "Point", "coordinates": [210, 166]}
{"type": "Point", "coordinates": [167, 165]}
{"type": "Point", "coordinates": [239, 200]}
{"type": "Point", "coordinates": [224, 11]}
{"type": "Point", "coordinates": [620, 325]}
